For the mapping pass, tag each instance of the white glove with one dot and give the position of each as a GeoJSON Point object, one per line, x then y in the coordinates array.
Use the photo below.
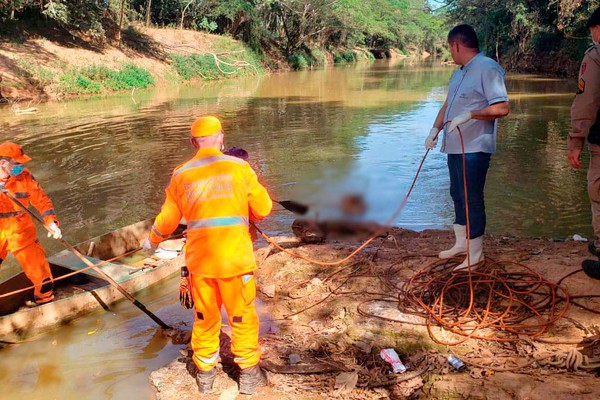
{"type": "Point", "coordinates": [459, 120]}
{"type": "Point", "coordinates": [148, 247]}
{"type": "Point", "coordinates": [431, 140]}
{"type": "Point", "coordinates": [56, 233]}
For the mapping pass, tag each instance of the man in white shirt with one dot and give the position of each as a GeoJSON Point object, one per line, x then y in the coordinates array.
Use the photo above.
{"type": "Point", "coordinates": [476, 99]}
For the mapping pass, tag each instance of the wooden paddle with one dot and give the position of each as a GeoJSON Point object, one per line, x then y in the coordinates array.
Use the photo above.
{"type": "Point", "coordinates": [90, 264]}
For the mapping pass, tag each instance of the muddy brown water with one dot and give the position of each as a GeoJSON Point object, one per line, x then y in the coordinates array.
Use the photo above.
{"type": "Point", "coordinates": [312, 136]}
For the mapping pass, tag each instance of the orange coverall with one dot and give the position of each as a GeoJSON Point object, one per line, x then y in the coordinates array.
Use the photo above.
{"type": "Point", "coordinates": [19, 236]}
{"type": "Point", "coordinates": [217, 194]}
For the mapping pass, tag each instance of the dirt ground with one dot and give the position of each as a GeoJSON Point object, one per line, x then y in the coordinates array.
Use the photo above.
{"type": "Point", "coordinates": [330, 322]}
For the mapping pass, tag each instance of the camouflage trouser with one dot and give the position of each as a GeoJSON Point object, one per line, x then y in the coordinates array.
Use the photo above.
{"type": "Point", "coordinates": [594, 188]}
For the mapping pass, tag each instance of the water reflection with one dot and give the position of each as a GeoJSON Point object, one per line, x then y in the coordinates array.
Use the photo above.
{"type": "Point", "coordinates": [312, 136]}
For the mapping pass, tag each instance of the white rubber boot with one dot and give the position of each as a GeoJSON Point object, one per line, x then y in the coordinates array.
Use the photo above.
{"type": "Point", "coordinates": [460, 246]}
{"type": "Point", "coordinates": [475, 252]}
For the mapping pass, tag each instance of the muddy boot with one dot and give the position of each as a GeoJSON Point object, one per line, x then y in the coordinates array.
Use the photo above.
{"type": "Point", "coordinates": [205, 380]}
{"type": "Point", "coordinates": [591, 268]}
{"type": "Point", "coordinates": [595, 251]}
{"type": "Point", "coordinates": [251, 379]}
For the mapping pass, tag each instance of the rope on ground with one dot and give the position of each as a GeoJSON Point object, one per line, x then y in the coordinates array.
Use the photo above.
{"type": "Point", "coordinates": [508, 297]}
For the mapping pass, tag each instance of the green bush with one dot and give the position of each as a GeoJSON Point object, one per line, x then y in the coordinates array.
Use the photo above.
{"type": "Point", "coordinates": [364, 56]}
{"type": "Point", "coordinates": [318, 57]}
{"type": "Point", "coordinates": [97, 79]}
{"type": "Point", "coordinates": [77, 84]}
{"type": "Point", "coordinates": [349, 56]}
{"type": "Point", "coordinates": [128, 77]}
{"type": "Point", "coordinates": [338, 58]}
{"type": "Point", "coordinates": [298, 61]}
{"type": "Point", "coordinates": [196, 66]}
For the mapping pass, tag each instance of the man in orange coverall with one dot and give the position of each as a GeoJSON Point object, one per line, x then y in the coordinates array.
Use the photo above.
{"type": "Point", "coordinates": [17, 230]}
{"type": "Point", "coordinates": [218, 195]}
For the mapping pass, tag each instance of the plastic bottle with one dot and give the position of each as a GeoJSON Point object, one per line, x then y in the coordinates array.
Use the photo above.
{"type": "Point", "coordinates": [456, 363]}
{"type": "Point", "coordinates": [392, 357]}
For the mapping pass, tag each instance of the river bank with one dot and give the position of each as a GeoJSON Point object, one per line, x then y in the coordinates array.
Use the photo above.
{"type": "Point", "coordinates": [56, 66]}
{"type": "Point", "coordinates": [329, 323]}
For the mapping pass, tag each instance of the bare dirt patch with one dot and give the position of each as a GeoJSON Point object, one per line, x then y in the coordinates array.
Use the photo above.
{"type": "Point", "coordinates": [334, 320]}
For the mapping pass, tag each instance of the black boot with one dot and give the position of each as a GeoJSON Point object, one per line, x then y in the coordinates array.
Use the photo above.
{"type": "Point", "coordinates": [591, 268]}
{"type": "Point", "coordinates": [205, 380]}
{"type": "Point", "coordinates": [251, 379]}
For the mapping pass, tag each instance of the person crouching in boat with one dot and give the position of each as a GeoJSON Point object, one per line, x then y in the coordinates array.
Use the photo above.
{"type": "Point", "coordinates": [218, 195]}
{"type": "Point", "coordinates": [17, 230]}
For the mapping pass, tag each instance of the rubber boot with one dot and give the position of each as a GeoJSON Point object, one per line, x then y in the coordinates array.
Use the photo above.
{"type": "Point", "coordinates": [206, 379]}
{"type": "Point", "coordinates": [475, 252]}
{"type": "Point", "coordinates": [251, 379]}
{"type": "Point", "coordinates": [460, 245]}
{"type": "Point", "coordinates": [591, 268]}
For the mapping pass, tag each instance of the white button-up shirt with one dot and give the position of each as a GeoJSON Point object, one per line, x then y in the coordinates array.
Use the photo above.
{"type": "Point", "coordinates": [475, 86]}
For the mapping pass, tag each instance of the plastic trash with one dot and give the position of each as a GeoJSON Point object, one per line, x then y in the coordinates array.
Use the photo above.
{"type": "Point", "coordinates": [456, 363]}
{"type": "Point", "coordinates": [392, 357]}
{"type": "Point", "coordinates": [579, 238]}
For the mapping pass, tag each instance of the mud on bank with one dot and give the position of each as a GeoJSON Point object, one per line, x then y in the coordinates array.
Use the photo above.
{"type": "Point", "coordinates": [336, 319]}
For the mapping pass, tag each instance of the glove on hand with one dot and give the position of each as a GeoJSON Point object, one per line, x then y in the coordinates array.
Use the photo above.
{"type": "Point", "coordinates": [148, 247]}
{"type": "Point", "coordinates": [459, 120]}
{"type": "Point", "coordinates": [185, 289]}
{"type": "Point", "coordinates": [56, 233]}
{"type": "Point", "coordinates": [431, 140]}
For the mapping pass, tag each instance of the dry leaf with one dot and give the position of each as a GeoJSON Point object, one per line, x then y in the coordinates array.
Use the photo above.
{"type": "Point", "coordinates": [345, 382]}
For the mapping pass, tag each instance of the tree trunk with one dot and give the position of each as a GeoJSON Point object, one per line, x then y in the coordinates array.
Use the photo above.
{"type": "Point", "coordinates": [183, 13]}
{"type": "Point", "coordinates": [121, 21]}
{"type": "Point", "coordinates": [12, 10]}
{"type": "Point", "coordinates": [235, 24]}
{"type": "Point", "coordinates": [497, 54]}
{"type": "Point", "coordinates": [148, 12]}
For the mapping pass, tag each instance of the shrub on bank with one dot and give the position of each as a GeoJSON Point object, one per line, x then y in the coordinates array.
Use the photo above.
{"type": "Point", "coordinates": [92, 79]}
{"type": "Point", "coordinates": [206, 66]}
{"type": "Point", "coordinates": [298, 61]}
{"type": "Point", "coordinates": [318, 56]}
{"type": "Point", "coordinates": [364, 55]}
{"type": "Point", "coordinates": [349, 56]}
{"type": "Point", "coordinates": [98, 79]}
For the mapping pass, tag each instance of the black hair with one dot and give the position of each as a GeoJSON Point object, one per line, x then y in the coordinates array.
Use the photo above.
{"type": "Point", "coordinates": [465, 35]}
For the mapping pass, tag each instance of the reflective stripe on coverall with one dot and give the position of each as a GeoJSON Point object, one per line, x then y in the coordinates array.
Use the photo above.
{"type": "Point", "coordinates": [18, 233]}
{"type": "Point", "coordinates": [218, 195]}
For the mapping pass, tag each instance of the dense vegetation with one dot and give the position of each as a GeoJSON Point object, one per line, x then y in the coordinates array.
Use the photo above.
{"type": "Point", "coordinates": [292, 26]}
{"type": "Point", "coordinates": [523, 34]}
{"type": "Point", "coordinates": [542, 35]}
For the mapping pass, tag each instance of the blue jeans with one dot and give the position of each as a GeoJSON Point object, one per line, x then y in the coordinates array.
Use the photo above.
{"type": "Point", "coordinates": [477, 165]}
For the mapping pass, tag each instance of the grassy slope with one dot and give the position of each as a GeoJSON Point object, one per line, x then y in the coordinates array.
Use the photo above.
{"type": "Point", "coordinates": [54, 66]}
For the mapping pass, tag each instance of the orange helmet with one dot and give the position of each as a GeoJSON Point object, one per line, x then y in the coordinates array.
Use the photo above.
{"type": "Point", "coordinates": [206, 126]}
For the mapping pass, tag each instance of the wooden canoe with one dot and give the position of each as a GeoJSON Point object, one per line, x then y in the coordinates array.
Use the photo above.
{"type": "Point", "coordinates": [86, 291]}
